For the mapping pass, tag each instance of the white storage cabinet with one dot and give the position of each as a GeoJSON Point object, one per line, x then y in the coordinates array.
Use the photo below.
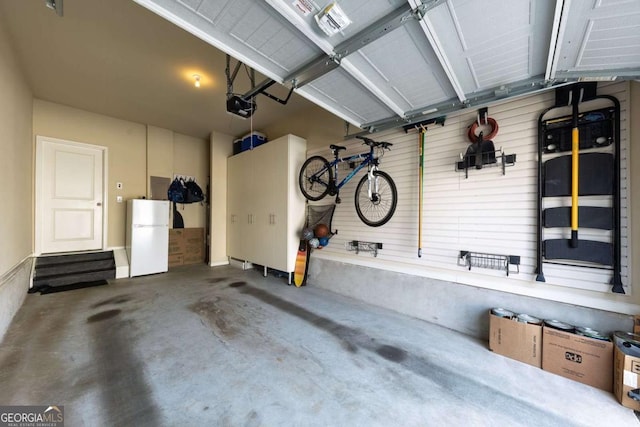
{"type": "Point", "coordinates": [266, 210]}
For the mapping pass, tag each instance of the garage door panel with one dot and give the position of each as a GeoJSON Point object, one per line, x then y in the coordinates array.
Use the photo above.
{"type": "Point", "coordinates": [415, 80]}
{"type": "Point", "coordinates": [603, 35]}
{"type": "Point", "coordinates": [347, 96]}
{"type": "Point", "coordinates": [479, 38]}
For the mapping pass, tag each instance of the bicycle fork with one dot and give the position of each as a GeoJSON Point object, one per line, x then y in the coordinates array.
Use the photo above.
{"type": "Point", "coordinates": [373, 189]}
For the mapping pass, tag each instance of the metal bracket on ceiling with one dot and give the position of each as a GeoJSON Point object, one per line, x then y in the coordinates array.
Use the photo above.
{"type": "Point", "coordinates": [231, 76]}
{"type": "Point", "coordinates": [423, 124]}
{"type": "Point", "coordinates": [532, 85]}
{"type": "Point", "coordinates": [326, 63]}
{"type": "Point", "coordinates": [255, 90]}
{"type": "Point", "coordinates": [425, 6]}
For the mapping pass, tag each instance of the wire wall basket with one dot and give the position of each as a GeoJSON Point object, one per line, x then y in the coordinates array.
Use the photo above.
{"type": "Point", "coordinates": [360, 246]}
{"type": "Point", "coordinates": [489, 261]}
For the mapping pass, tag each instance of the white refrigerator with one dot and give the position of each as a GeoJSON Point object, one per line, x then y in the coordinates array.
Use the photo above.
{"type": "Point", "coordinates": [147, 237]}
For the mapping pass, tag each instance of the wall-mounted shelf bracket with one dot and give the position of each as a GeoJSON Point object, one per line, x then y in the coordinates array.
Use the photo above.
{"type": "Point", "coordinates": [358, 245]}
{"type": "Point", "coordinates": [490, 261]}
{"type": "Point", "coordinates": [489, 158]}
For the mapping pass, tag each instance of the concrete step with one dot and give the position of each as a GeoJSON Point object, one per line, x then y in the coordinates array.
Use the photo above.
{"type": "Point", "coordinates": [63, 270]}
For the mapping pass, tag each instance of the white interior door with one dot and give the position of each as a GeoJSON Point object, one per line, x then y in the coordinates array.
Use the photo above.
{"type": "Point", "coordinates": [69, 196]}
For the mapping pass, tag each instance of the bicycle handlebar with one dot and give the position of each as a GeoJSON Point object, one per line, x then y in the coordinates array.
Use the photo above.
{"type": "Point", "coordinates": [372, 143]}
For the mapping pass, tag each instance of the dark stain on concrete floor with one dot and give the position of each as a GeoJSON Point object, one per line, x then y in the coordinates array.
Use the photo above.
{"type": "Point", "coordinates": [237, 284]}
{"type": "Point", "coordinates": [392, 353]}
{"type": "Point", "coordinates": [124, 390]}
{"type": "Point", "coordinates": [213, 313]}
{"type": "Point", "coordinates": [456, 383]}
{"type": "Point", "coordinates": [103, 315]}
{"type": "Point", "coordinates": [117, 300]}
{"type": "Point", "coordinates": [217, 279]}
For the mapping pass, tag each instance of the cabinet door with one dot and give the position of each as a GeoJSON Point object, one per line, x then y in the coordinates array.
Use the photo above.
{"type": "Point", "coordinates": [272, 205]}
{"type": "Point", "coordinates": [251, 201]}
{"type": "Point", "coordinates": [237, 207]}
{"type": "Point", "coordinates": [266, 211]}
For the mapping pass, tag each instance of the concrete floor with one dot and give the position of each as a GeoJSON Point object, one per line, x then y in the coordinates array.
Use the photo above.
{"type": "Point", "coordinates": [201, 346]}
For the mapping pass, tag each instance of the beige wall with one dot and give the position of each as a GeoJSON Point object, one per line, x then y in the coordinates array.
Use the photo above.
{"type": "Point", "coordinates": [128, 145]}
{"type": "Point", "coordinates": [159, 143]}
{"type": "Point", "coordinates": [319, 127]}
{"type": "Point", "coordinates": [16, 161]}
{"type": "Point", "coordinates": [221, 149]}
{"type": "Point", "coordinates": [191, 158]}
{"type": "Point", "coordinates": [16, 172]}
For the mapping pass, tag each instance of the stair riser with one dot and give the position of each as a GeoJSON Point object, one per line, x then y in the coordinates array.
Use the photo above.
{"type": "Point", "coordinates": [78, 267]}
{"type": "Point", "coordinates": [76, 278]}
{"type": "Point", "coordinates": [65, 259]}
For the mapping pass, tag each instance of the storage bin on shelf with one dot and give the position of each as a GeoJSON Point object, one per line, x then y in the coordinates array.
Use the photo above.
{"type": "Point", "coordinates": [252, 140]}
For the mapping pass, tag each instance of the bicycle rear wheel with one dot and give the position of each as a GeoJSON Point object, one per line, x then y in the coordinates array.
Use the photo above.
{"type": "Point", "coordinates": [378, 209]}
{"type": "Point", "coordinates": [315, 177]}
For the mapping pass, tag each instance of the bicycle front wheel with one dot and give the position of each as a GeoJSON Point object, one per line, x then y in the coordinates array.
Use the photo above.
{"type": "Point", "coordinates": [315, 177]}
{"type": "Point", "coordinates": [377, 209]}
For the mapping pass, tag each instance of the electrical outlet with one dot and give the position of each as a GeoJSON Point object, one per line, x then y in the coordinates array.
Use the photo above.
{"type": "Point", "coordinates": [118, 186]}
{"type": "Point", "coordinates": [118, 199]}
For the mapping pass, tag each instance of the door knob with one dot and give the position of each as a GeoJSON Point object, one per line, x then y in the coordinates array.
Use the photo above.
{"type": "Point", "coordinates": [99, 204]}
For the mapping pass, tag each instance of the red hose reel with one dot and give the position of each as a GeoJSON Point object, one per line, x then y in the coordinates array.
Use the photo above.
{"type": "Point", "coordinates": [471, 133]}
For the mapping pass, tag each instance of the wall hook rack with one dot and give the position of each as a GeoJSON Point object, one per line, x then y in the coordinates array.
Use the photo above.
{"type": "Point", "coordinates": [185, 178]}
{"type": "Point", "coordinates": [489, 158]}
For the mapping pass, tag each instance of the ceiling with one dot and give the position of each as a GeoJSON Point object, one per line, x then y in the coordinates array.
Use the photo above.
{"type": "Point", "coordinates": [394, 62]}
{"type": "Point", "coordinates": [398, 62]}
{"type": "Point", "coordinates": [118, 59]}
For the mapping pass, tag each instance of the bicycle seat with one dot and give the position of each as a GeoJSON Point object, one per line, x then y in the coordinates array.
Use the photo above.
{"type": "Point", "coordinates": [337, 148]}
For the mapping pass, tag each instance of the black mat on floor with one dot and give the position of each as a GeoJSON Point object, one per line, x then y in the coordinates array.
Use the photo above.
{"type": "Point", "coordinates": [53, 289]}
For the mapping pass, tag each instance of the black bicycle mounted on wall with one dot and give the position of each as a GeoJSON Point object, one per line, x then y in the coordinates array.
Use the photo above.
{"type": "Point", "coordinates": [376, 195]}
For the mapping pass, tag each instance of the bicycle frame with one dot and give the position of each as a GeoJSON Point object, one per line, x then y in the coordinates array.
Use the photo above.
{"type": "Point", "coordinates": [367, 160]}
{"type": "Point", "coordinates": [376, 195]}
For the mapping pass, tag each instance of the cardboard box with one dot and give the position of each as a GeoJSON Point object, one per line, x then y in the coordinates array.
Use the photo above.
{"type": "Point", "coordinates": [193, 250]}
{"type": "Point", "coordinates": [583, 359]}
{"type": "Point", "coordinates": [188, 243]}
{"type": "Point", "coordinates": [176, 260]}
{"type": "Point", "coordinates": [193, 259]}
{"type": "Point", "coordinates": [516, 340]}
{"type": "Point", "coordinates": [626, 370]}
{"type": "Point", "coordinates": [176, 236]}
{"type": "Point", "coordinates": [191, 233]}
{"type": "Point", "coordinates": [176, 241]}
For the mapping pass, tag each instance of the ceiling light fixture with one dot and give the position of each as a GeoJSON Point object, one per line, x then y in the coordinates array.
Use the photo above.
{"type": "Point", "coordinates": [55, 5]}
{"type": "Point", "coordinates": [196, 77]}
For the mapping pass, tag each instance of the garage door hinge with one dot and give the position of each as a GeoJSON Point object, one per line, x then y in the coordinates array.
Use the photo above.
{"type": "Point", "coordinates": [420, 11]}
